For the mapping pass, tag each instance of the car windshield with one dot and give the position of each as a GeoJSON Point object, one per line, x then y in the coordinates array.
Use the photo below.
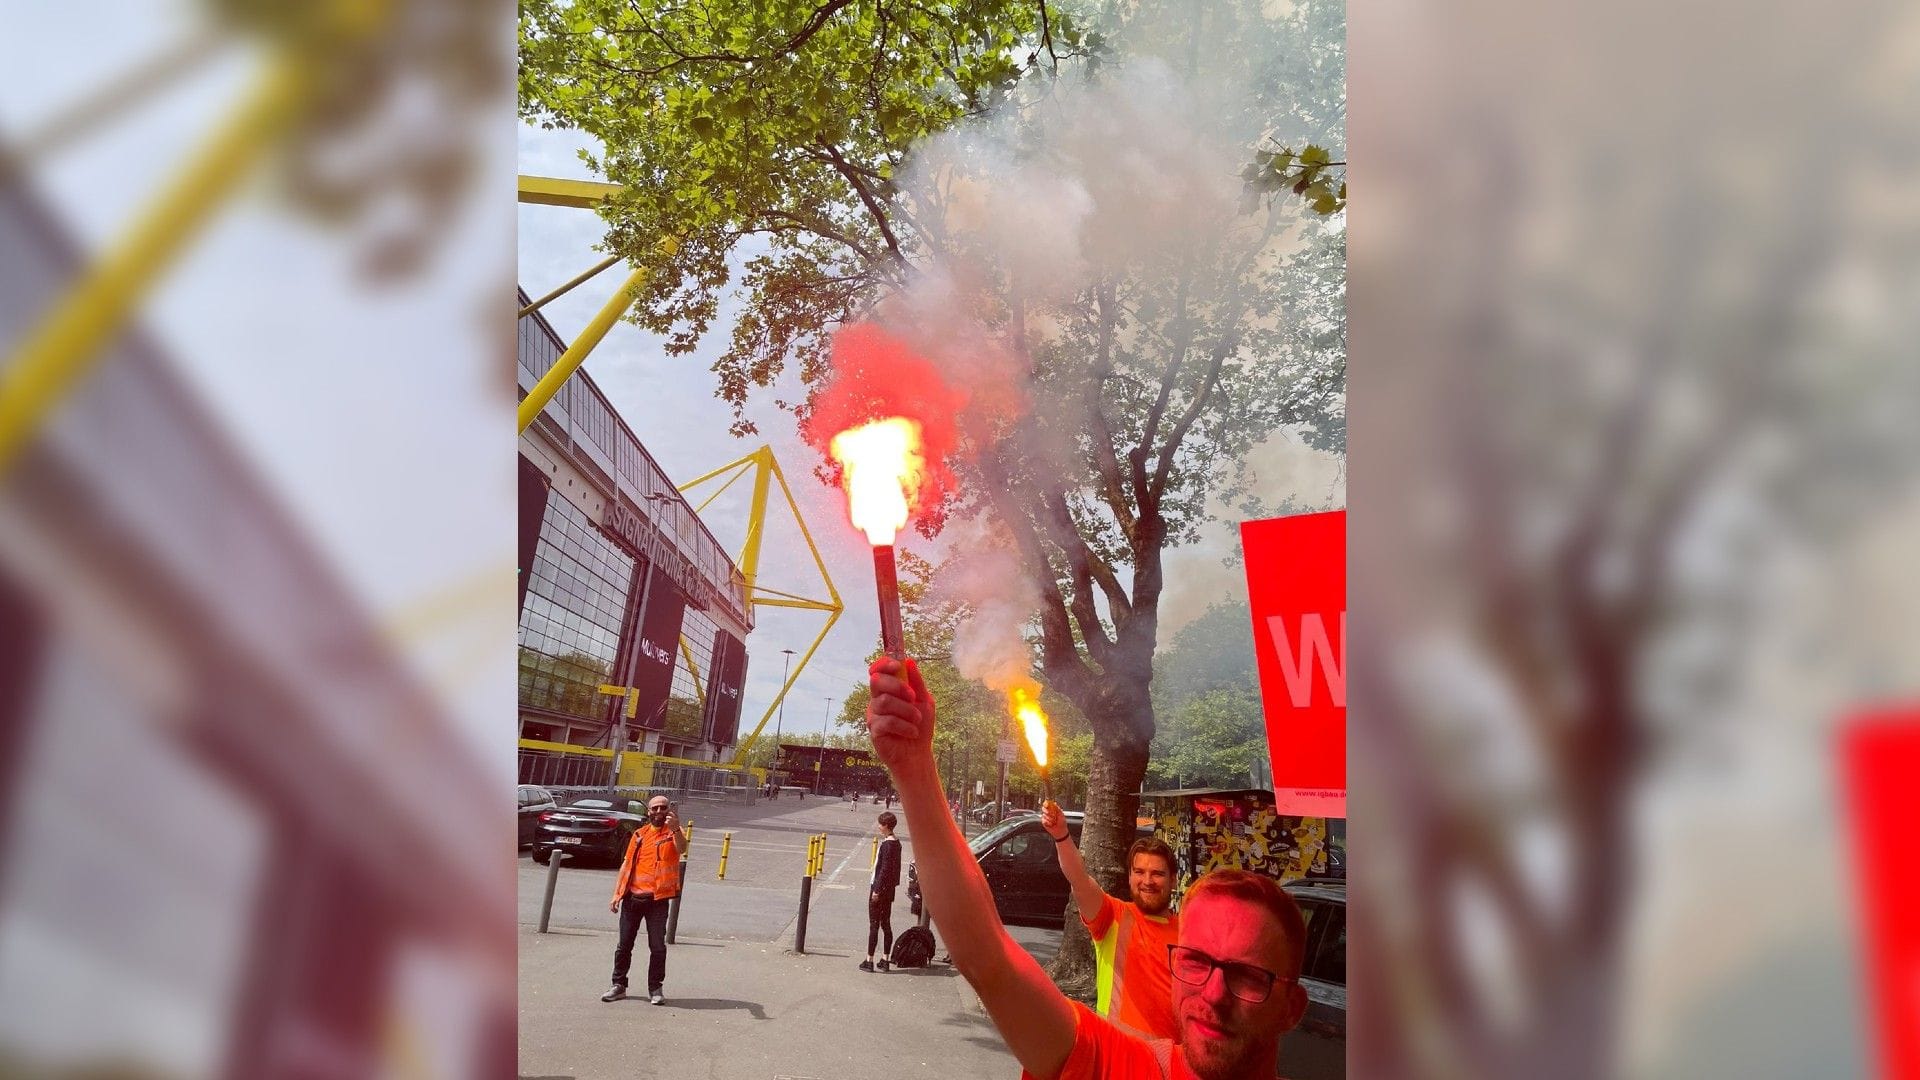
{"type": "Point", "coordinates": [992, 836]}
{"type": "Point", "coordinates": [591, 803]}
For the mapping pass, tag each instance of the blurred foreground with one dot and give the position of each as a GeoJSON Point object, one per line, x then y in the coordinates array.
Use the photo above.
{"type": "Point", "coordinates": [247, 829]}
{"type": "Point", "coordinates": [1635, 493]}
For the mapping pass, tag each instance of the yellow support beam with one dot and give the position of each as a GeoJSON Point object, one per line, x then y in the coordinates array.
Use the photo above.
{"type": "Point", "coordinates": [596, 329]}
{"type": "Point", "coordinates": [553, 191]}
{"type": "Point", "coordinates": [699, 691]}
{"type": "Point", "coordinates": [585, 276]}
{"type": "Point", "coordinates": [576, 353]}
{"type": "Point", "coordinates": [757, 519]}
{"type": "Point", "coordinates": [818, 562]}
{"type": "Point", "coordinates": [721, 490]}
{"type": "Point", "coordinates": [57, 352]}
{"type": "Point", "coordinates": [804, 605]}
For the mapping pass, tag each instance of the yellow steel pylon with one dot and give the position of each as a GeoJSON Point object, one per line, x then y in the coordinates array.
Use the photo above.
{"type": "Point", "coordinates": [766, 471]}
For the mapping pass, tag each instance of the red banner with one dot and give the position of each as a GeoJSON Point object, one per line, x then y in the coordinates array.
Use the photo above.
{"type": "Point", "coordinates": [1880, 759]}
{"type": "Point", "coordinates": [1297, 585]}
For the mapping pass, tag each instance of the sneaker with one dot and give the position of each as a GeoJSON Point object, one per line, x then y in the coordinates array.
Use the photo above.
{"type": "Point", "coordinates": [654, 996]}
{"type": "Point", "coordinates": [614, 993]}
{"type": "Point", "coordinates": [866, 965]}
{"type": "Point", "coordinates": [884, 966]}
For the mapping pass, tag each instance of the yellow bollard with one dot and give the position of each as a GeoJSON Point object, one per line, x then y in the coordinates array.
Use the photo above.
{"type": "Point", "coordinates": [726, 842]}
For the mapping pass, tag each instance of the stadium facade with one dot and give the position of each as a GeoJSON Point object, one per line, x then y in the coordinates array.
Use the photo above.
{"type": "Point", "coordinates": [627, 602]}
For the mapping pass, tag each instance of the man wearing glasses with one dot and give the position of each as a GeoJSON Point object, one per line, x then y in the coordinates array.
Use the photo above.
{"type": "Point", "coordinates": [649, 877]}
{"type": "Point", "coordinates": [1234, 970]}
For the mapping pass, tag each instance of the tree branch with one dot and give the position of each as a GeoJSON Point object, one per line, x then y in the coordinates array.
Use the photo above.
{"type": "Point", "coordinates": [1105, 461]}
{"type": "Point", "coordinates": [1080, 556]}
{"type": "Point", "coordinates": [879, 214]}
{"type": "Point", "coordinates": [819, 19]}
{"type": "Point", "coordinates": [1150, 431]}
{"type": "Point", "coordinates": [822, 230]}
{"type": "Point", "coordinates": [1208, 382]}
{"type": "Point", "coordinates": [1046, 36]}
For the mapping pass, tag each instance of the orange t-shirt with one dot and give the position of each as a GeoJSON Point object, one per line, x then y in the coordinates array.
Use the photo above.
{"type": "Point", "coordinates": [1135, 985]}
{"type": "Point", "coordinates": [1102, 1051]}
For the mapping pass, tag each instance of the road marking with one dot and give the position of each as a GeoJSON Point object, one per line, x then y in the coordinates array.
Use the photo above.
{"type": "Point", "coordinates": [851, 852]}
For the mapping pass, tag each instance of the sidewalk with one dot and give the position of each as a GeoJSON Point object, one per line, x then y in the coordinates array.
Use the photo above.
{"type": "Point", "coordinates": [741, 1005]}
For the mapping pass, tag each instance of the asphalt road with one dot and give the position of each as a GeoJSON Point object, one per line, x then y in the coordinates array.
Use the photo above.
{"type": "Point", "coordinates": [760, 898]}
{"type": "Point", "coordinates": [741, 1004]}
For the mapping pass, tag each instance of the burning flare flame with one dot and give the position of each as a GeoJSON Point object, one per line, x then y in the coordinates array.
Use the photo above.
{"type": "Point", "coordinates": [881, 467]}
{"type": "Point", "coordinates": [1025, 704]}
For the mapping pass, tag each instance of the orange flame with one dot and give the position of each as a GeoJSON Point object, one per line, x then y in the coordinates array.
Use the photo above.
{"type": "Point", "coordinates": [881, 468]}
{"type": "Point", "coordinates": [1025, 704]}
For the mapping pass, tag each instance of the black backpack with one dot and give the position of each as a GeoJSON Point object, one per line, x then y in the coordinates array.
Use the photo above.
{"type": "Point", "coordinates": [913, 948]}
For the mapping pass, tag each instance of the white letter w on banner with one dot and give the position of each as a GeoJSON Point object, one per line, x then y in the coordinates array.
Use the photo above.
{"type": "Point", "coordinates": [1297, 664]}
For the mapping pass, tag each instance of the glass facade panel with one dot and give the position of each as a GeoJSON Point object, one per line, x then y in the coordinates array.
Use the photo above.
{"type": "Point", "coordinates": [570, 627]}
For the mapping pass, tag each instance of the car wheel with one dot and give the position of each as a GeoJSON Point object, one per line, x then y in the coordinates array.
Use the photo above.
{"type": "Point", "coordinates": [541, 855]}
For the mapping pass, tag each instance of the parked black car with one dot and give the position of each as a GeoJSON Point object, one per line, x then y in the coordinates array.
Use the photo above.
{"type": "Point", "coordinates": [987, 811]}
{"type": "Point", "coordinates": [1022, 870]}
{"type": "Point", "coordinates": [534, 801]}
{"type": "Point", "coordinates": [595, 826]}
{"type": "Point", "coordinates": [1317, 1049]}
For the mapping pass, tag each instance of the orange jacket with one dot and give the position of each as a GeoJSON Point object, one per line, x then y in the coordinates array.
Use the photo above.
{"type": "Point", "coordinates": [652, 864]}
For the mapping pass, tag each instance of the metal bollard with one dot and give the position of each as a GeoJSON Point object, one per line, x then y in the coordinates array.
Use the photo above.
{"type": "Point", "coordinates": [673, 905]}
{"type": "Point", "coordinates": [726, 842]}
{"type": "Point", "coordinates": [554, 859]}
{"type": "Point", "coordinates": [800, 928]}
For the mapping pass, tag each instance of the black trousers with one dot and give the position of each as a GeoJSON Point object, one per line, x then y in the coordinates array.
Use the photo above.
{"type": "Point", "coordinates": [880, 919]}
{"type": "Point", "coordinates": [632, 911]}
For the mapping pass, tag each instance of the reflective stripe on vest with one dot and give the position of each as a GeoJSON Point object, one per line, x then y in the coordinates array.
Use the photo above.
{"type": "Point", "coordinates": [1123, 935]}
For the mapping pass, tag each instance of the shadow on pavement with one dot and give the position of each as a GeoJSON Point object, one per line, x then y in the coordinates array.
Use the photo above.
{"type": "Point", "coordinates": [754, 1008]}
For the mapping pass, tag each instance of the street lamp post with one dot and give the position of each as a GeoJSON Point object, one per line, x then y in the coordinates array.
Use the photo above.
{"type": "Point", "coordinates": [782, 718]}
{"type": "Point", "coordinates": [824, 721]}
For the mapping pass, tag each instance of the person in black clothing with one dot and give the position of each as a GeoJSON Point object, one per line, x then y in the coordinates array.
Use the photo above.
{"type": "Point", "coordinates": [886, 878]}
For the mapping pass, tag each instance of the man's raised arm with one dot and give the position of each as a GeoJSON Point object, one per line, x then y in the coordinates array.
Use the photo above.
{"type": "Point", "coordinates": [1086, 891]}
{"type": "Point", "coordinates": [1034, 1018]}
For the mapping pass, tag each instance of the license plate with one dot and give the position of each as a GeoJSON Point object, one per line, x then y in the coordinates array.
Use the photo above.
{"type": "Point", "coordinates": [567, 840]}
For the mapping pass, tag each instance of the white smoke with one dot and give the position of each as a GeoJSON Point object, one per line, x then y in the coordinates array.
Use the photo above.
{"type": "Point", "coordinates": [1079, 180]}
{"type": "Point", "coordinates": [986, 578]}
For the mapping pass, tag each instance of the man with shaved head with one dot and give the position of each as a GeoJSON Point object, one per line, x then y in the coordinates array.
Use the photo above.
{"type": "Point", "coordinates": [1234, 970]}
{"type": "Point", "coordinates": [649, 879]}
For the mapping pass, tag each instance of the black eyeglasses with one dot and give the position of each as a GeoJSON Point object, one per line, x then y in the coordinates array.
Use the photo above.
{"type": "Point", "coordinates": [1244, 981]}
